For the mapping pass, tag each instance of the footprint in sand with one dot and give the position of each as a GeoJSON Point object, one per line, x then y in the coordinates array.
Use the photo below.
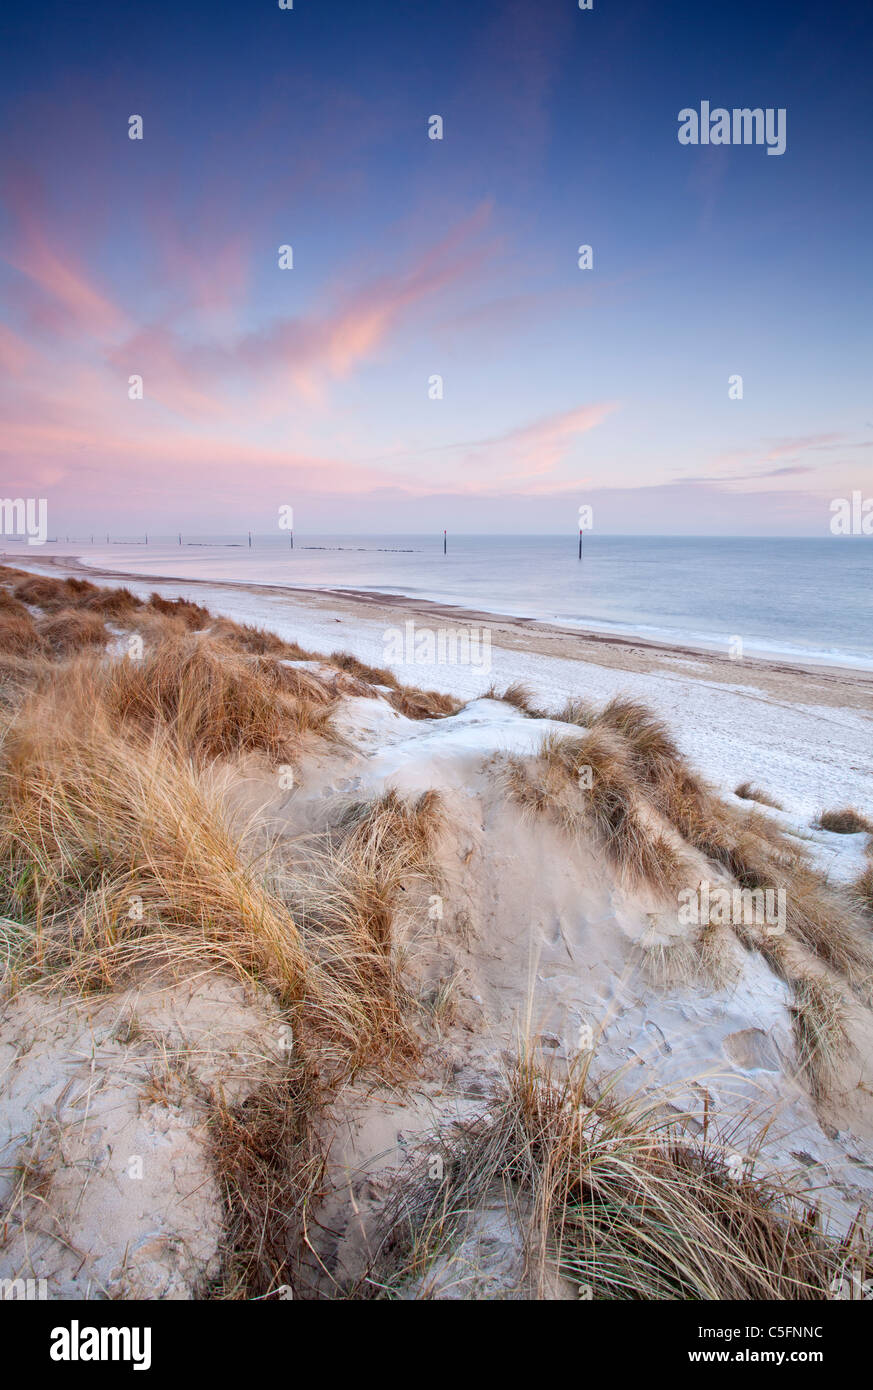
{"type": "Point", "coordinates": [752, 1049]}
{"type": "Point", "coordinates": [657, 1033]}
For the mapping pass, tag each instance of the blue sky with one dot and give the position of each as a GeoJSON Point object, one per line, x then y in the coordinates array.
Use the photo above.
{"type": "Point", "coordinates": [310, 386]}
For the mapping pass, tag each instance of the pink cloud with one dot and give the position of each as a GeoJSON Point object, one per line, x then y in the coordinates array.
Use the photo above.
{"type": "Point", "coordinates": [304, 354]}
{"type": "Point", "coordinates": [70, 301]}
{"type": "Point", "coordinates": [332, 343]}
{"type": "Point", "coordinates": [527, 453]}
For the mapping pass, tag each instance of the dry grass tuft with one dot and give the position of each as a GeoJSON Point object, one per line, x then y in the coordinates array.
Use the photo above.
{"type": "Point", "coordinates": [193, 615]}
{"type": "Point", "coordinates": [634, 763]}
{"type": "Point", "coordinates": [18, 634]}
{"type": "Point", "coordinates": [270, 1166]}
{"type": "Point", "coordinates": [822, 919]}
{"type": "Point", "coordinates": [754, 851]}
{"type": "Point", "coordinates": [718, 958]}
{"type": "Point", "coordinates": [49, 593]}
{"type": "Point", "coordinates": [19, 675]}
{"type": "Point", "coordinates": [580, 712]}
{"type": "Point", "coordinates": [670, 962]}
{"type": "Point", "coordinates": [651, 744]}
{"type": "Point", "coordinates": [747, 792]}
{"type": "Point", "coordinates": [615, 1199]}
{"type": "Point", "coordinates": [390, 822]}
{"type": "Point", "coordinates": [345, 895]}
{"type": "Point", "coordinates": [72, 630]}
{"type": "Point", "coordinates": [163, 623]}
{"type": "Point", "coordinates": [820, 1034]}
{"type": "Point", "coordinates": [862, 890]}
{"type": "Point", "coordinates": [846, 821]}
{"type": "Point", "coordinates": [12, 605]}
{"type": "Point", "coordinates": [215, 702]}
{"type": "Point", "coordinates": [408, 700]}
{"type": "Point", "coordinates": [117, 857]}
{"type": "Point", "coordinates": [422, 704]}
{"type": "Point", "coordinates": [373, 675]}
{"type": "Point", "coordinates": [518, 695]}
{"type": "Point", "coordinates": [119, 604]}
{"type": "Point", "coordinates": [256, 641]}
{"type": "Point", "coordinates": [43, 592]}
{"type": "Point", "coordinates": [590, 783]}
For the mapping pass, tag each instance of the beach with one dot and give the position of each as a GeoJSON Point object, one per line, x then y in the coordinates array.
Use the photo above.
{"type": "Point", "coordinates": [803, 731]}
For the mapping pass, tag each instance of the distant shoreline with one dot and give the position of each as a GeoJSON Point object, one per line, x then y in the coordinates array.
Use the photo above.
{"type": "Point", "coordinates": [607, 647]}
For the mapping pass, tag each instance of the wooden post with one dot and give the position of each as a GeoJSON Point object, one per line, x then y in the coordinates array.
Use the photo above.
{"type": "Point", "coordinates": [250, 540]}
{"type": "Point", "coordinates": [444, 543]}
{"type": "Point", "coordinates": [580, 542]}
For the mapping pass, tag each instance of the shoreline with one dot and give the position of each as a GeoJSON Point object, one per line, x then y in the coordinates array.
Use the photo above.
{"type": "Point", "coordinates": [804, 734]}
{"type": "Point", "coordinates": [552, 639]}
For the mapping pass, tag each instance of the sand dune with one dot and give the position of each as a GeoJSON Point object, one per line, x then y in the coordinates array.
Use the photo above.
{"type": "Point", "coordinates": [456, 905]}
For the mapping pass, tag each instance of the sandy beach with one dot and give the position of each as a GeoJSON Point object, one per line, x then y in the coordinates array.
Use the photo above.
{"type": "Point", "coordinates": [804, 732]}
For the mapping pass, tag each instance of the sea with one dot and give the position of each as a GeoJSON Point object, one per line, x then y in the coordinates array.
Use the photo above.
{"type": "Point", "coordinates": [807, 599]}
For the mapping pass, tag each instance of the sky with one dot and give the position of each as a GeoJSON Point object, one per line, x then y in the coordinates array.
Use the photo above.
{"type": "Point", "coordinates": [415, 258]}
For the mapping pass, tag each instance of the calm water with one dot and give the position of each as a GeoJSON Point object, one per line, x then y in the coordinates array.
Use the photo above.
{"type": "Point", "coordinates": [794, 597]}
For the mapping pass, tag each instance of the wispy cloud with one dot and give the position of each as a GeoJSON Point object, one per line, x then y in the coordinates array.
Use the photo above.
{"type": "Point", "coordinates": [789, 470]}
{"type": "Point", "coordinates": [528, 454]}
{"type": "Point", "coordinates": [68, 299]}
